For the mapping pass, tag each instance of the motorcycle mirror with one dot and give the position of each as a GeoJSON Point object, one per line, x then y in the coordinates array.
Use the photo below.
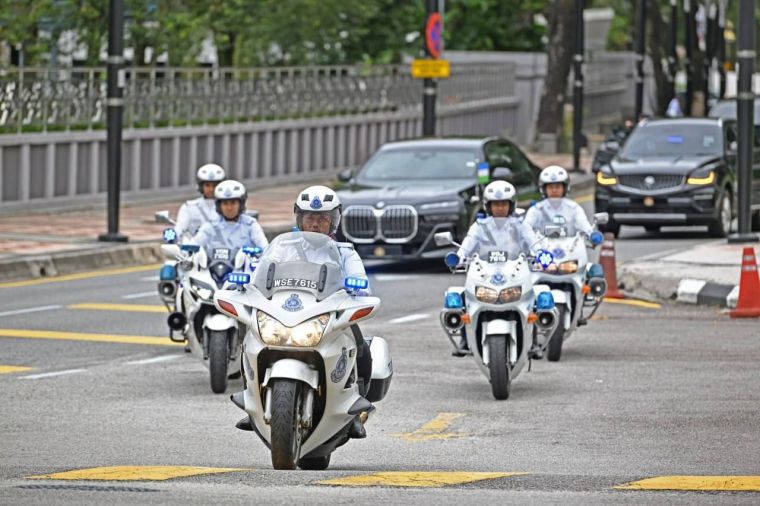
{"type": "Point", "coordinates": [253, 213]}
{"type": "Point", "coordinates": [444, 239]}
{"type": "Point", "coordinates": [602, 218]}
{"type": "Point", "coordinates": [163, 217]}
{"type": "Point", "coordinates": [519, 212]}
{"type": "Point", "coordinates": [474, 199]}
{"type": "Point", "coordinates": [345, 176]}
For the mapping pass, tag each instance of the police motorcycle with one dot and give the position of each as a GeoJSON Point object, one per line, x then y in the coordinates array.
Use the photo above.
{"type": "Point", "coordinates": [577, 285]}
{"type": "Point", "coordinates": [498, 308]}
{"type": "Point", "coordinates": [212, 336]}
{"type": "Point", "coordinates": [302, 389]}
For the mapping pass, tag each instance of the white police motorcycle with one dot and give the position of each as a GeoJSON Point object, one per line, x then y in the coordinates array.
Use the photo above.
{"type": "Point", "coordinates": [498, 308]}
{"type": "Point", "coordinates": [302, 390]}
{"type": "Point", "coordinates": [577, 286]}
{"type": "Point", "coordinates": [212, 336]}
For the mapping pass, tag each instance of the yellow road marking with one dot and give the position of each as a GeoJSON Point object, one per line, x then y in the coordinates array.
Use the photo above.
{"type": "Point", "coordinates": [634, 302]}
{"type": "Point", "coordinates": [585, 198]}
{"type": "Point", "coordinates": [434, 429]}
{"type": "Point", "coordinates": [697, 483]}
{"type": "Point", "coordinates": [138, 308]}
{"type": "Point", "coordinates": [10, 369]}
{"type": "Point", "coordinates": [134, 473]}
{"type": "Point", "coordinates": [79, 275]}
{"type": "Point", "coordinates": [78, 336]}
{"type": "Point", "coordinates": [415, 479]}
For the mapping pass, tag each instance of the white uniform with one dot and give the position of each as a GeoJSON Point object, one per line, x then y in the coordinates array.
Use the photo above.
{"type": "Point", "coordinates": [221, 233]}
{"type": "Point", "coordinates": [504, 234]}
{"type": "Point", "coordinates": [563, 212]}
{"type": "Point", "coordinates": [193, 214]}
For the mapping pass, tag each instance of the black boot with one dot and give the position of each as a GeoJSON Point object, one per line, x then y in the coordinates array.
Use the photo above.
{"type": "Point", "coordinates": [535, 353]}
{"type": "Point", "coordinates": [356, 430]}
{"type": "Point", "coordinates": [463, 349]}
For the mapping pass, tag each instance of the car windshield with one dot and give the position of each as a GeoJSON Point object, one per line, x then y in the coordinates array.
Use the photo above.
{"type": "Point", "coordinates": [727, 109]}
{"type": "Point", "coordinates": [672, 140]}
{"type": "Point", "coordinates": [304, 261]}
{"type": "Point", "coordinates": [421, 163]}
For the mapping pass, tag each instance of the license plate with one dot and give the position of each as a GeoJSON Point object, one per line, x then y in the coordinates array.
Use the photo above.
{"type": "Point", "coordinates": [221, 254]}
{"type": "Point", "coordinates": [374, 250]}
{"type": "Point", "coordinates": [497, 257]}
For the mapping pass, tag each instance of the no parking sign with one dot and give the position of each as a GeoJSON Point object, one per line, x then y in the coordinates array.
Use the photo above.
{"type": "Point", "coordinates": [434, 34]}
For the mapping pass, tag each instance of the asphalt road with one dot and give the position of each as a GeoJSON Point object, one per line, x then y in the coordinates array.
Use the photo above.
{"type": "Point", "coordinates": [641, 392]}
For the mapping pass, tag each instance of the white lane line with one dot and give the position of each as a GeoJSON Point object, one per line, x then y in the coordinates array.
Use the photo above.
{"type": "Point", "coordinates": [140, 295]}
{"type": "Point", "coordinates": [51, 374]}
{"type": "Point", "coordinates": [149, 278]}
{"type": "Point", "coordinates": [30, 310]}
{"type": "Point", "coordinates": [394, 277]}
{"type": "Point", "coordinates": [153, 360]}
{"type": "Point", "coordinates": [410, 318]}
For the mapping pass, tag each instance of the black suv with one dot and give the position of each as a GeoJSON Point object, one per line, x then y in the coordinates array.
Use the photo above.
{"type": "Point", "coordinates": [409, 190]}
{"type": "Point", "coordinates": [672, 172]}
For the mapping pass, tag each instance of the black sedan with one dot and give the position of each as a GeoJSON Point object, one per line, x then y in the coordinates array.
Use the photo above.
{"type": "Point", "coordinates": [672, 172]}
{"type": "Point", "coordinates": [410, 190]}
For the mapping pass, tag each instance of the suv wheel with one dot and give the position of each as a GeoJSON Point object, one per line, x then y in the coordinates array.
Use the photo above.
{"type": "Point", "coordinates": [722, 224]}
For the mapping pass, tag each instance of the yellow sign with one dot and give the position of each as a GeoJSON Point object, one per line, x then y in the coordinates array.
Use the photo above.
{"type": "Point", "coordinates": [431, 69]}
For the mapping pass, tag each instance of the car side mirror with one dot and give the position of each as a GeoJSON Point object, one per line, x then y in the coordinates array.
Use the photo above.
{"type": "Point", "coordinates": [163, 217]}
{"type": "Point", "coordinates": [443, 239]}
{"type": "Point", "coordinates": [502, 173]}
{"type": "Point", "coordinates": [345, 176]}
{"type": "Point", "coordinates": [602, 218]}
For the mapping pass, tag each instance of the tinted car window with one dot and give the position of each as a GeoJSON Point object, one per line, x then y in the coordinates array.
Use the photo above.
{"type": "Point", "coordinates": [504, 154]}
{"type": "Point", "coordinates": [668, 139]}
{"type": "Point", "coordinates": [421, 163]}
{"type": "Point", "coordinates": [727, 109]}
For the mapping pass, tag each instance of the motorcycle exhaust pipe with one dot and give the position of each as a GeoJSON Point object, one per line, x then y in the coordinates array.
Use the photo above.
{"type": "Point", "coordinates": [176, 321]}
{"type": "Point", "coordinates": [167, 289]}
{"type": "Point", "coordinates": [547, 319]}
{"type": "Point", "coordinates": [598, 287]}
{"type": "Point", "coordinates": [452, 320]}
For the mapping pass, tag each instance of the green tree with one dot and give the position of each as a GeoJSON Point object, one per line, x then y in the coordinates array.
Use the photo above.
{"type": "Point", "coordinates": [493, 25]}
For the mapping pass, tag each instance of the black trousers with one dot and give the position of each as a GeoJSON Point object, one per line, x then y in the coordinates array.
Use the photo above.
{"type": "Point", "coordinates": [363, 358]}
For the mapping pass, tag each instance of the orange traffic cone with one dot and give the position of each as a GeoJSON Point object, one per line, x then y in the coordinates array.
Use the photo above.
{"type": "Point", "coordinates": [748, 305]}
{"type": "Point", "coordinates": [607, 260]}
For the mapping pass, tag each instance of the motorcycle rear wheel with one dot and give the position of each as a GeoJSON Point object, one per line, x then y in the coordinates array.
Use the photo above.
{"type": "Point", "coordinates": [218, 359]}
{"type": "Point", "coordinates": [285, 427]}
{"type": "Point", "coordinates": [498, 367]}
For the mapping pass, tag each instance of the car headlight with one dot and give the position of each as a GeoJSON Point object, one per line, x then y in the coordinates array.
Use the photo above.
{"type": "Point", "coordinates": [488, 295]}
{"type": "Point", "coordinates": [201, 289]}
{"type": "Point", "coordinates": [569, 267]}
{"type": "Point", "coordinates": [510, 294]}
{"type": "Point", "coordinates": [702, 178]}
{"type": "Point", "coordinates": [605, 179]}
{"type": "Point", "coordinates": [441, 207]}
{"type": "Point", "coordinates": [306, 334]}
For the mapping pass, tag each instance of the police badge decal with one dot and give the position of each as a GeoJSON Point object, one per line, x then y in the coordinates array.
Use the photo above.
{"type": "Point", "coordinates": [293, 303]}
{"type": "Point", "coordinates": [340, 367]}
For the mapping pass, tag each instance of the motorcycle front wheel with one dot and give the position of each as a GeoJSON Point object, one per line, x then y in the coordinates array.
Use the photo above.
{"type": "Point", "coordinates": [554, 349]}
{"type": "Point", "coordinates": [218, 359]}
{"type": "Point", "coordinates": [285, 426]}
{"type": "Point", "coordinates": [498, 367]}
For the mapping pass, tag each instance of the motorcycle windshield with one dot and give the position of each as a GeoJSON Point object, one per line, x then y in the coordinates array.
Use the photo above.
{"type": "Point", "coordinates": [304, 261]}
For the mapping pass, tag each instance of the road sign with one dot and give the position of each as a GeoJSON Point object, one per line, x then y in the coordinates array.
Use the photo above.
{"type": "Point", "coordinates": [434, 34]}
{"type": "Point", "coordinates": [430, 69]}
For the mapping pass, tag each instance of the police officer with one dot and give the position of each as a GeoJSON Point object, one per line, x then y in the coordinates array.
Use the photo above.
{"type": "Point", "coordinates": [194, 213]}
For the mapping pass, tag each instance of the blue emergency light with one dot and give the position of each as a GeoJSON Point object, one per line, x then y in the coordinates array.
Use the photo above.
{"type": "Point", "coordinates": [239, 278]}
{"type": "Point", "coordinates": [353, 283]}
{"type": "Point", "coordinates": [190, 248]}
{"type": "Point", "coordinates": [545, 300]}
{"type": "Point", "coordinates": [453, 300]}
{"type": "Point", "coordinates": [252, 250]}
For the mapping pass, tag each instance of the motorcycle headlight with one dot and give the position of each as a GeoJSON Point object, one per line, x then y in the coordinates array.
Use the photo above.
{"type": "Point", "coordinates": [487, 295]}
{"type": "Point", "coordinates": [569, 267]}
{"type": "Point", "coordinates": [306, 334]}
{"type": "Point", "coordinates": [510, 294]}
{"type": "Point", "coordinates": [202, 290]}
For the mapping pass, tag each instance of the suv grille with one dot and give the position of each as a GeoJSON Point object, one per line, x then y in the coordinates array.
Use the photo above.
{"type": "Point", "coordinates": [650, 182]}
{"type": "Point", "coordinates": [394, 224]}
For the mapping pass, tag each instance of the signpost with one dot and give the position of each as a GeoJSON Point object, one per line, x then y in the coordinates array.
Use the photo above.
{"type": "Point", "coordinates": [433, 48]}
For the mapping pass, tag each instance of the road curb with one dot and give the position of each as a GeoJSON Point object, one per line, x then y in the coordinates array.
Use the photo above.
{"type": "Point", "coordinates": [71, 262]}
{"type": "Point", "coordinates": [703, 292]}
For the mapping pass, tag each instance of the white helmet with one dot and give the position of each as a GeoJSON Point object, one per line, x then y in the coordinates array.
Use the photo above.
{"type": "Point", "coordinates": [230, 190]}
{"type": "Point", "coordinates": [318, 199]}
{"type": "Point", "coordinates": [499, 191]}
{"type": "Point", "coordinates": [209, 173]}
{"type": "Point", "coordinates": [553, 174]}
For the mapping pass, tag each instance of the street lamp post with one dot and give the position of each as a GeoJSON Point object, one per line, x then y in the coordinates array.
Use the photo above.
{"type": "Point", "coordinates": [745, 105]}
{"type": "Point", "coordinates": [641, 23]}
{"type": "Point", "coordinates": [429, 86]}
{"type": "Point", "coordinates": [578, 138]}
{"type": "Point", "coordinates": [688, 17]}
{"type": "Point", "coordinates": [672, 43]}
{"type": "Point", "coordinates": [114, 107]}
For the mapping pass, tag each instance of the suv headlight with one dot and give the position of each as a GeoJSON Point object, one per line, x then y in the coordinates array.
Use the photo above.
{"type": "Point", "coordinates": [701, 178]}
{"type": "Point", "coordinates": [510, 294]}
{"type": "Point", "coordinates": [306, 334]}
{"type": "Point", "coordinates": [487, 295]}
{"type": "Point", "coordinates": [605, 179]}
{"type": "Point", "coordinates": [201, 289]}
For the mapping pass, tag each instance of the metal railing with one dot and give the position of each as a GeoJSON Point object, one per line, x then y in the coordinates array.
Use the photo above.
{"type": "Point", "coordinates": [61, 99]}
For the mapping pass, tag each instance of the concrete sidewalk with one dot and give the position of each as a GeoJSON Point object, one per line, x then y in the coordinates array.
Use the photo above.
{"type": "Point", "coordinates": [707, 274]}
{"type": "Point", "coordinates": [54, 243]}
